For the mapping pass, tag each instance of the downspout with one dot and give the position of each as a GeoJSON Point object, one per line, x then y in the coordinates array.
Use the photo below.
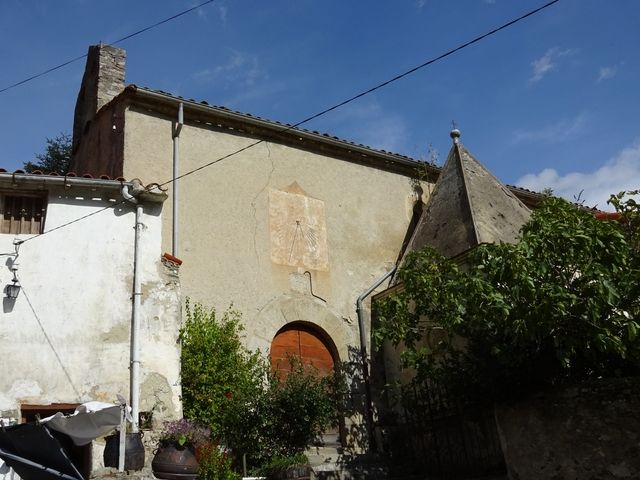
{"type": "Point", "coordinates": [363, 353]}
{"type": "Point", "coordinates": [134, 362]}
{"type": "Point", "coordinates": [176, 159]}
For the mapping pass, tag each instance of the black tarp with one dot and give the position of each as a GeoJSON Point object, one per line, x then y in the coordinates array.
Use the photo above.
{"type": "Point", "coordinates": [35, 454]}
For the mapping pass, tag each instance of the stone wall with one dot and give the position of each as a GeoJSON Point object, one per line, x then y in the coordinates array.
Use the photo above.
{"type": "Point", "coordinates": [103, 79]}
{"type": "Point", "coordinates": [590, 431]}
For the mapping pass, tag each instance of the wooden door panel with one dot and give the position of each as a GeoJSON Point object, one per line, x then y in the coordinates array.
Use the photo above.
{"type": "Point", "coordinates": [303, 344]}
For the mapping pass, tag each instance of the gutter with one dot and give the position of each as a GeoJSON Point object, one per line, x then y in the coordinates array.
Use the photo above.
{"type": "Point", "coordinates": [136, 193]}
{"type": "Point", "coordinates": [134, 358]}
{"type": "Point", "coordinates": [174, 184]}
{"type": "Point", "coordinates": [17, 180]}
{"type": "Point", "coordinates": [363, 352]}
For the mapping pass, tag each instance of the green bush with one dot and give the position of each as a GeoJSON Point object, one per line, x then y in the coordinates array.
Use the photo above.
{"type": "Point", "coordinates": [235, 393]}
{"type": "Point", "coordinates": [560, 305]}
{"type": "Point", "coordinates": [215, 366]}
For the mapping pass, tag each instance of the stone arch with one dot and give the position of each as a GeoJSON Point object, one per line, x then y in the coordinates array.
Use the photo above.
{"type": "Point", "coordinates": [306, 341]}
{"type": "Point", "coordinates": [288, 309]}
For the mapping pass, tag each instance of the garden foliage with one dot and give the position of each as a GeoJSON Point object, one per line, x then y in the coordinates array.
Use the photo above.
{"type": "Point", "coordinates": [562, 304]}
{"type": "Point", "coordinates": [234, 392]}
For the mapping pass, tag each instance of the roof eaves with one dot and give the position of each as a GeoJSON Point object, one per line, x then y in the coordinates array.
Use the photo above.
{"type": "Point", "coordinates": [280, 129]}
{"type": "Point", "coordinates": [20, 179]}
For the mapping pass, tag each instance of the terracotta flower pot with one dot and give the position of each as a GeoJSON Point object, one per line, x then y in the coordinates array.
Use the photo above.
{"type": "Point", "coordinates": [173, 463]}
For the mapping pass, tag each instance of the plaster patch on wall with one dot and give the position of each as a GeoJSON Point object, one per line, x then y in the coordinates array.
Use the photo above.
{"type": "Point", "coordinates": [155, 396]}
{"type": "Point", "coordinates": [19, 391]}
{"type": "Point", "coordinates": [116, 334]}
{"type": "Point", "coordinates": [100, 394]}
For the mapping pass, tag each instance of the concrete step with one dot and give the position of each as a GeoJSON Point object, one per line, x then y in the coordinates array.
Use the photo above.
{"type": "Point", "coordinates": [323, 455]}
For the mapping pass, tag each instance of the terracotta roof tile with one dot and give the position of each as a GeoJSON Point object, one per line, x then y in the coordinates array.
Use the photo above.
{"type": "Point", "coordinates": [134, 87]}
{"type": "Point", "coordinates": [40, 173]}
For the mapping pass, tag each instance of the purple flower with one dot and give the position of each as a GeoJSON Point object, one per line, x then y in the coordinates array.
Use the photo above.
{"type": "Point", "coordinates": [183, 433]}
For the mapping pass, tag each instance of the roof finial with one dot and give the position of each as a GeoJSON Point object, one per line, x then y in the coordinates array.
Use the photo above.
{"type": "Point", "coordinates": [455, 133]}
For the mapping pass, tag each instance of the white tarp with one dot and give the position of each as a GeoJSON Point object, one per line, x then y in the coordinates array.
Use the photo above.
{"type": "Point", "coordinates": [90, 420]}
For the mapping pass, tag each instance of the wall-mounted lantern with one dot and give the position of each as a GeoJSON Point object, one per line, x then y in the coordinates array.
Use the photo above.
{"type": "Point", "coordinates": [13, 289]}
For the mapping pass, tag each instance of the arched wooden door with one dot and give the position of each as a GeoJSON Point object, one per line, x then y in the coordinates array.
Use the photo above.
{"type": "Point", "coordinates": [312, 347]}
{"type": "Point", "coordinates": [304, 342]}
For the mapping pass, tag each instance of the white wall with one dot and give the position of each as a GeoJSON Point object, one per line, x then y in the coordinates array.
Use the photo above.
{"type": "Point", "coordinates": [65, 339]}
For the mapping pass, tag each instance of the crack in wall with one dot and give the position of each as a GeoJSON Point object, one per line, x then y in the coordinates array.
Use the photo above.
{"type": "Point", "coordinates": [253, 204]}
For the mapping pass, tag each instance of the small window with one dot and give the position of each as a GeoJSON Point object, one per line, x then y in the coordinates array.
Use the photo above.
{"type": "Point", "coordinates": [22, 214]}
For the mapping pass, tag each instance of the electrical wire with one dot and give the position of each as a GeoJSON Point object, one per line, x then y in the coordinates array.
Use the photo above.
{"type": "Point", "coordinates": [49, 341]}
{"type": "Point", "coordinates": [322, 112]}
{"type": "Point", "coordinates": [126, 37]}
{"type": "Point", "coordinates": [76, 220]}
{"type": "Point", "coordinates": [370, 90]}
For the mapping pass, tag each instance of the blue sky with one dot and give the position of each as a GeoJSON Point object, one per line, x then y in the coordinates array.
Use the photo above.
{"type": "Point", "coordinates": [551, 102]}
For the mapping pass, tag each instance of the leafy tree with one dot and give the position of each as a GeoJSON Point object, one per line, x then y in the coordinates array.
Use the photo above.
{"type": "Point", "coordinates": [248, 406]}
{"type": "Point", "coordinates": [215, 366]}
{"type": "Point", "coordinates": [561, 304]}
{"type": "Point", "coordinates": [56, 157]}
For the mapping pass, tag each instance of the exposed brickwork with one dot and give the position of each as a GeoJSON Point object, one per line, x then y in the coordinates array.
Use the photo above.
{"type": "Point", "coordinates": [103, 79]}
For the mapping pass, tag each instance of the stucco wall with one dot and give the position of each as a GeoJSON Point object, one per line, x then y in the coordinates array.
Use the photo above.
{"type": "Point", "coordinates": [583, 432]}
{"type": "Point", "coordinates": [65, 339]}
{"type": "Point", "coordinates": [225, 233]}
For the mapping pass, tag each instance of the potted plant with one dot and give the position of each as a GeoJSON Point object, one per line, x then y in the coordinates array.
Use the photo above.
{"type": "Point", "coordinates": [178, 447]}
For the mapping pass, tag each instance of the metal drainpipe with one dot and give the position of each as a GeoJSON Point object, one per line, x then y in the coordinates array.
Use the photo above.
{"type": "Point", "coordinates": [176, 158]}
{"type": "Point", "coordinates": [363, 353]}
{"type": "Point", "coordinates": [134, 375]}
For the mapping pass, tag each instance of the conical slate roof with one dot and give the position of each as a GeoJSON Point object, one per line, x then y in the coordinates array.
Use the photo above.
{"type": "Point", "coordinates": [468, 206]}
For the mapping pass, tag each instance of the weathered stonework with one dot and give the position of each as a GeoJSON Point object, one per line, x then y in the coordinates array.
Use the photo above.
{"type": "Point", "coordinates": [584, 432]}
{"type": "Point", "coordinates": [103, 79]}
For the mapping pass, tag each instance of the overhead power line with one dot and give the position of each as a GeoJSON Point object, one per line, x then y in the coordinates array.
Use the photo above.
{"type": "Point", "coordinates": [323, 112]}
{"type": "Point", "coordinates": [126, 37]}
{"type": "Point", "coordinates": [372, 89]}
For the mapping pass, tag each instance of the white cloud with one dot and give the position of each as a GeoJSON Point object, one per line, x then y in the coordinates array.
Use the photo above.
{"type": "Point", "coordinates": [547, 63]}
{"type": "Point", "coordinates": [240, 68]}
{"type": "Point", "coordinates": [490, 2]}
{"type": "Point", "coordinates": [420, 4]}
{"type": "Point", "coordinates": [621, 172]}
{"type": "Point", "coordinates": [607, 73]}
{"type": "Point", "coordinates": [565, 129]}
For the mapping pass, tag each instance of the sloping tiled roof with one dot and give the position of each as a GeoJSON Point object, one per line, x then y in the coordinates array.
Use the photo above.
{"type": "Point", "coordinates": [222, 117]}
{"type": "Point", "coordinates": [245, 123]}
{"type": "Point", "coordinates": [66, 175]}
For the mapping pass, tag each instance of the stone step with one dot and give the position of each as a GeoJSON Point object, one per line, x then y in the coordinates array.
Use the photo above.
{"type": "Point", "coordinates": [323, 455]}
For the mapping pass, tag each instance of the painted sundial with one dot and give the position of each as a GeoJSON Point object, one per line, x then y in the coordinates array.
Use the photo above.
{"type": "Point", "coordinates": [298, 229]}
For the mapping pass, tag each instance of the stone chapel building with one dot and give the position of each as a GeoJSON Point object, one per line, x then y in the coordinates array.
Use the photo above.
{"type": "Point", "coordinates": [292, 226]}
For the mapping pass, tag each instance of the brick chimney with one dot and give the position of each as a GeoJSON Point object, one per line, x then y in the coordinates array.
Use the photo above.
{"type": "Point", "coordinates": [103, 79]}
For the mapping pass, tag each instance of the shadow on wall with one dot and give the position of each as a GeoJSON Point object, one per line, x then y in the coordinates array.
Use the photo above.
{"type": "Point", "coordinates": [358, 457]}
{"type": "Point", "coordinates": [354, 404]}
{"type": "Point", "coordinates": [7, 302]}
